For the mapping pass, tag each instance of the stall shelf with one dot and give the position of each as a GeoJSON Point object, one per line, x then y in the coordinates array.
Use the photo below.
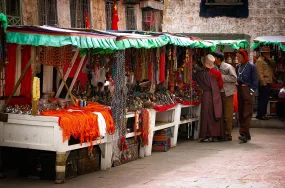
{"type": "Point", "coordinates": [195, 111]}
{"type": "Point", "coordinates": [171, 119]}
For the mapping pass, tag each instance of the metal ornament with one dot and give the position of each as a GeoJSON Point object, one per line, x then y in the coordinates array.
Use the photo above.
{"type": "Point", "coordinates": [120, 93]}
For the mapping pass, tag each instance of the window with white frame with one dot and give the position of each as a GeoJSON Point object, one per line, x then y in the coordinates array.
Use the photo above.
{"type": "Point", "coordinates": [79, 9]}
{"type": "Point", "coordinates": [131, 19]}
{"type": "Point", "coordinates": [12, 9]}
{"type": "Point", "coordinates": [47, 12]}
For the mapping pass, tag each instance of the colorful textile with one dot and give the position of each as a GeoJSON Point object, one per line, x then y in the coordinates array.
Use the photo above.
{"type": "Point", "coordinates": [26, 84]}
{"type": "Point", "coordinates": [83, 123]}
{"type": "Point", "coordinates": [162, 67]}
{"type": "Point", "coordinates": [161, 108]}
{"type": "Point", "coordinates": [4, 21]}
{"type": "Point", "coordinates": [115, 18]}
{"type": "Point", "coordinates": [217, 74]}
{"type": "Point", "coordinates": [10, 69]}
{"type": "Point", "coordinates": [190, 103]}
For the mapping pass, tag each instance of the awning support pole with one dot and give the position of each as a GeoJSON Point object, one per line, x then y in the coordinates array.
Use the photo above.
{"type": "Point", "coordinates": [67, 73]}
{"type": "Point", "coordinates": [76, 75]}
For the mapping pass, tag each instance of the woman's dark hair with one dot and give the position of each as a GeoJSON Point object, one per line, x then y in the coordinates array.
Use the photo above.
{"type": "Point", "coordinates": [219, 55]}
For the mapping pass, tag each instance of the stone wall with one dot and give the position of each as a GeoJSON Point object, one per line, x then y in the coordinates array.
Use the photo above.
{"type": "Point", "coordinates": [30, 14]}
{"type": "Point", "coordinates": [266, 17]}
{"type": "Point", "coordinates": [98, 11]}
{"type": "Point", "coordinates": [98, 14]}
{"type": "Point", "coordinates": [122, 15]}
{"type": "Point", "coordinates": [63, 13]}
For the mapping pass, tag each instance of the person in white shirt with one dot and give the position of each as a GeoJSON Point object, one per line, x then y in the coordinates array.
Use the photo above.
{"type": "Point", "coordinates": [229, 78]}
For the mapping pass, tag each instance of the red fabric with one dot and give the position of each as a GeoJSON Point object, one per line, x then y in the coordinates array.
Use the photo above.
{"type": "Point", "coordinates": [218, 76]}
{"type": "Point", "coordinates": [162, 68]}
{"type": "Point", "coordinates": [26, 84]}
{"type": "Point", "coordinates": [276, 86]}
{"type": "Point", "coordinates": [115, 18]}
{"type": "Point", "coordinates": [235, 102]}
{"type": "Point", "coordinates": [10, 69]}
{"type": "Point", "coordinates": [87, 23]}
{"type": "Point", "coordinates": [161, 108]}
{"type": "Point", "coordinates": [194, 103]}
{"type": "Point", "coordinates": [19, 100]}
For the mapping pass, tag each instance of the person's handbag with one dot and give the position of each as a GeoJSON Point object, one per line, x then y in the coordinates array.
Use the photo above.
{"type": "Point", "coordinates": [282, 93]}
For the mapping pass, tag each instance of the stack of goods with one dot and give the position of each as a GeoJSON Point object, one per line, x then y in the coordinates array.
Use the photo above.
{"type": "Point", "coordinates": [147, 99]}
{"type": "Point", "coordinates": [100, 93]}
{"type": "Point", "coordinates": [189, 94]}
{"type": "Point", "coordinates": [162, 140]}
{"type": "Point", "coordinates": [19, 109]}
{"type": "Point", "coordinates": [45, 103]}
{"type": "Point", "coordinates": [86, 124]}
{"type": "Point", "coordinates": [129, 152]}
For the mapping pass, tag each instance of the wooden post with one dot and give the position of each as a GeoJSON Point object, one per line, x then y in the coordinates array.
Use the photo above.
{"type": "Point", "coordinates": [76, 75]}
{"type": "Point", "coordinates": [17, 85]}
{"type": "Point", "coordinates": [67, 73]}
{"type": "Point", "coordinates": [60, 167]}
{"type": "Point", "coordinates": [34, 102]}
{"type": "Point", "coordinates": [68, 90]}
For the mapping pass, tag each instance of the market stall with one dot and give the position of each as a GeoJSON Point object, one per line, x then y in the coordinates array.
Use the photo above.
{"type": "Point", "coordinates": [70, 89]}
{"type": "Point", "coordinates": [277, 46]}
{"type": "Point", "coordinates": [36, 120]}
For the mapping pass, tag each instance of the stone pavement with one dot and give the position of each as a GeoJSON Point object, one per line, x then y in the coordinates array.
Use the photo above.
{"type": "Point", "coordinates": [259, 163]}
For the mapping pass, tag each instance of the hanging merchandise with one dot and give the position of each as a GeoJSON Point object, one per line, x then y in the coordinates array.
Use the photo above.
{"type": "Point", "coordinates": [157, 66]}
{"type": "Point", "coordinates": [36, 88]}
{"type": "Point", "coordinates": [170, 64]}
{"type": "Point", "coordinates": [10, 69]}
{"type": "Point", "coordinates": [26, 84]}
{"type": "Point", "coordinates": [119, 98]}
{"type": "Point", "coordinates": [56, 56]}
{"type": "Point", "coordinates": [150, 65]}
{"type": "Point", "coordinates": [145, 126]}
{"type": "Point", "coordinates": [186, 66]}
{"type": "Point", "coordinates": [162, 65]}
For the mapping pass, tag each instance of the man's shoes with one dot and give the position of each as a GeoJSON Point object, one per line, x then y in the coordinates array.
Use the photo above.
{"type": "Point", "coordinates": [249, 137]}
{"type": "Point", "coordinates": [243, 138]}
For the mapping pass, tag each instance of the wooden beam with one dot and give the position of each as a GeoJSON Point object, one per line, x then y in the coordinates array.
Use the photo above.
{"type": "Point", "coordinates": [68, 90]}
{"type": "Point", "coordinates": [67, 73]}
{"type": "Point", "coordinates": [17, 85]}
{"type": "Point", "coordinates": [76, 75]}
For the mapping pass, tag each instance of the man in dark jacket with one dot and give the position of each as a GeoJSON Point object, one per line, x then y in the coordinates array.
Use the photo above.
{"type": "Point", "coordinates": [247, 84]}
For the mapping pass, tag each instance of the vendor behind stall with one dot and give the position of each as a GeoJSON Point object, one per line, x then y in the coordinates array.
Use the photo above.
{"type": "Point", "coordinates": [264, 65]}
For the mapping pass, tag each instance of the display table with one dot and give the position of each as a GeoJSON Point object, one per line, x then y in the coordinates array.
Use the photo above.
{"type": "Point", "coordinates": [170, 119]}
{"type": "Point", "coordinates": [44, 133]}
{"type": "Point", "coordinates": [195, 111]}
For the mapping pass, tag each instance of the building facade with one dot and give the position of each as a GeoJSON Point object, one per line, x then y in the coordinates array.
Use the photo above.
{"type": "Point", "coordinates": [264, 17]}
{"type": "Point", "coordinates": [133, 14]}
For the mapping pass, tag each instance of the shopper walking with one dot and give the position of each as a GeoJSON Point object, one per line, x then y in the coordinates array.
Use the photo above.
{"type": "Point", "coordinates": [247, 84]}
{"type": "Point", "coordinates": [229, 79]}
{"type": "Point", "coordinates": [264, 65]}
{"type": "Point", "coordinates": [211, 107]}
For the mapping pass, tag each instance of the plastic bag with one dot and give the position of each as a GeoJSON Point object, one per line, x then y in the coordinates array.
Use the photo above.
{"type": "Point", "coordinates": [282, 93]}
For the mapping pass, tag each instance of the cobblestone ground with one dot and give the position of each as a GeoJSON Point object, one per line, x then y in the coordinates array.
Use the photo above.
{"type": "Point", "coordinates": [259, 163]}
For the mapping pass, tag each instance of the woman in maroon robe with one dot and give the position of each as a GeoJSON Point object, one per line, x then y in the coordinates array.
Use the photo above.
{"type": "Point", "coordinates": [211, 109]}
